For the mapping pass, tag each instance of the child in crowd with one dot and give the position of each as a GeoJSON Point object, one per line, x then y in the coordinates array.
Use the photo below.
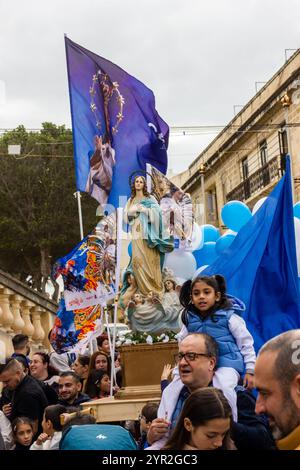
{"type": "Point", "coordinates": [148, 414]}
{"type": "Point", "coordinates": [51, 424]}
{"type": "Point", "coordinates": [204, 423]}
{"type": "Point", "coordinates": [22, 428]}
{"type": "Point", "coordinates": [208, 309]}
{"type": "Point", "coordinates": [102, 382]}
{"type": "Point", "coordinates": [166, 373]}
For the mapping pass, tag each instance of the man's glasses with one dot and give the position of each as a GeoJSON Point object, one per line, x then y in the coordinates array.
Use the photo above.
{"type": "Point", "coordinates": [189, 357]}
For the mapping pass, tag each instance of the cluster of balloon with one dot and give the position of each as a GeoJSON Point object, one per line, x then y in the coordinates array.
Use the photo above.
{"type": "Point", "coordinates": [207, 243]}
{"type": "Point", "coordinates": [182, 260]}
{"type": "Point", "coordinates": [235, 214]}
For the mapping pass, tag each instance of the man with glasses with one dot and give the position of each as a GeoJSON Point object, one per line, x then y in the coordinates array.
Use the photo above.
{"type": "Point", "coordinates": [197, 359]}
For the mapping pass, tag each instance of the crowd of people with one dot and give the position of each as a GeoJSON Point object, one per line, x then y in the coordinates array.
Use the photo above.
{"type": "Point", "coordinates": [37, 391]}
{"type": "Point", "coordinates": [208, 399]}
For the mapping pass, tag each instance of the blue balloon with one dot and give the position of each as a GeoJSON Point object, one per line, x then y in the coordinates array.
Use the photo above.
{"type": "Point", "coordinates": [297, 210]}
{"type": "Point", "coordinates": [129, 249]}
{"type": "Point", "coordinates": [207, 254]}
{"type": "Point", "coordinates": [210, 233]}
{"type": "Point", "coordinates": [235, 214]}
{"type": "Point", "coordinates": [224, 242]}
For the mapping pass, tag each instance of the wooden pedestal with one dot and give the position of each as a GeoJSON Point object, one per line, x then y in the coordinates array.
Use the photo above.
{"type": "Point", "coordinates": [142, 366]}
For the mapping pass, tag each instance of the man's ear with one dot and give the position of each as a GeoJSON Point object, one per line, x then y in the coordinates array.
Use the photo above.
{"type": "Point", "coordinates": [295, 390]}
{"type": "Point", "coordinates": [212, 363]}
{"type": "Point", "coordinates": [79, 386]}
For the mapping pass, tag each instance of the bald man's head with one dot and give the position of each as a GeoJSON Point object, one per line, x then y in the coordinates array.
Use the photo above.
{"type": "Point", "coordinates": [285, 351]}
{"type": "Point", "coordinates": [277, 379]}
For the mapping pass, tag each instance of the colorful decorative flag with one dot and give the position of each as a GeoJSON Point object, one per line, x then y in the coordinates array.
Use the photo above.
{"type": "Point", "coordinates": [89, 275]}
{"type": "Point", "coordinates": [175, 204]}
{"type": "Point", "coordinates": [116, 128]}
{"type": "Point", "coordinates": [260, 266]}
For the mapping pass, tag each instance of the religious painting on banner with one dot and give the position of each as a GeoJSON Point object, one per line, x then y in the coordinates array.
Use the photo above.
{"type": "Point", "coordinates": [89, 282]}
{"type": "Point", "coordinates": [116, 128]}
{"type": "Point", "coordinates": [175, 204]}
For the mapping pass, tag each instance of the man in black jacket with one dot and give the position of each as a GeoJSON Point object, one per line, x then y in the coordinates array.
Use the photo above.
{"type": "Point", "coordinates": [27, 396]}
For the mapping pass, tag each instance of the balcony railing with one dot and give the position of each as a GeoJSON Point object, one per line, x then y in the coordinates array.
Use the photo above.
{"type": "Point", "coordinates": [257, 181]}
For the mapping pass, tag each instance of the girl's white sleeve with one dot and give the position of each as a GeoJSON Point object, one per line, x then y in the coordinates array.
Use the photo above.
{"type": "Point", "coordinates": [36, 446]}
{"type": "Point", "coordinates": [6, 431]}
{"type": "Point", "coordinates": [244, 341]}
{"type": "Point", "coordinates": [182, 334]}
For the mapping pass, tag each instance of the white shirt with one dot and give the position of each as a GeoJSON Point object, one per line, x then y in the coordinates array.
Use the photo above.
{"type": "Point", "coordinates": [6, 431]}
{"type": "Point", "coordinates": [50, 444]}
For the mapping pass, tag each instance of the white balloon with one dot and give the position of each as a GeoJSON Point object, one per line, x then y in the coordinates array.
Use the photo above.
{"type": "Point", "coordinates": [297, 237]}
{"type": "Point", "coordinates": [229, 232]}
{"type": "Point", "coordinates": [197, 239]}
{"type": "Point", "coordinates": [182, 263]}
{"type": "Point", "coordinates": [199, 270]}
{"type": "Point", "coordinates": [258, 205]}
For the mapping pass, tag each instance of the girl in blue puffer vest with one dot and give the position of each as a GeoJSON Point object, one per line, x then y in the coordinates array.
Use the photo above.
{"type": "Point", "coordinates": [208, 309]}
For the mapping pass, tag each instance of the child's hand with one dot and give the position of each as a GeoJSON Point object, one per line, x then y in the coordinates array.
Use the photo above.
{"type": "Point", "coordinates": [42, 438]}
{"type": "Point", "coordinates": [166, 372]}
{"type": "Point", "coordinates": [7, 409]}
{"type": "Point", "coordinates": [248, 381]}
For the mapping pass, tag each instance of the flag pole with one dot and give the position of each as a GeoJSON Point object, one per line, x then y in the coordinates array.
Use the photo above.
{"type": "Point", "coordinates": [78, 197]}
{"type": "Point", "coordinates": [118, 273]}
{"type": "Point", "coordinates": [112, 371]}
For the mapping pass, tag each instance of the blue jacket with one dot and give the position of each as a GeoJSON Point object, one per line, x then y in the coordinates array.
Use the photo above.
{"type": "Point", "coordinates": [216, 325]}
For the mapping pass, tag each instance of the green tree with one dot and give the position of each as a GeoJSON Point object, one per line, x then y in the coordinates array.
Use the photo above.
{"type": "Point", "coordinates": [38, 210]}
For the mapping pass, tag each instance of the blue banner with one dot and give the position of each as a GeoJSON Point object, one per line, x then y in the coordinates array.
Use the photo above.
{"type": "Point", "coordinates": [116, 128]}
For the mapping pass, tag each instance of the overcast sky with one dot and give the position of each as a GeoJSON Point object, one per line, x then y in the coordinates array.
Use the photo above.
{"type": "Point", "coordinates": [199, 57]}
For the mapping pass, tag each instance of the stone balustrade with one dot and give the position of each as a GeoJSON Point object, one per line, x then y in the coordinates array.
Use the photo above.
{"type": "Point", "coordinates": [23, 310]}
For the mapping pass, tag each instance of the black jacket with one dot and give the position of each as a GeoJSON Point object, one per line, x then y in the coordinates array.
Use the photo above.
{"type": "Point", "coordinates": [251, 430]}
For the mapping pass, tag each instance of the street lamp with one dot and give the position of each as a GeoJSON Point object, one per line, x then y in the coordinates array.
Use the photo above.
{"type": "Point", "coordinates": [286, 102]}
{"type": "Point", "coordinates": [202, 170]}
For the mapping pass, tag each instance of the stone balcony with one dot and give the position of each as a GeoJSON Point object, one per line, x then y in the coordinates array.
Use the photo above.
{"type": "Point", "coordinates": [23, 310]}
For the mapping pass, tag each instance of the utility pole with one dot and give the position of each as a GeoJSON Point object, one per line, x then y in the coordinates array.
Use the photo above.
{"type": "Point", "coordinates": [286, 102]}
